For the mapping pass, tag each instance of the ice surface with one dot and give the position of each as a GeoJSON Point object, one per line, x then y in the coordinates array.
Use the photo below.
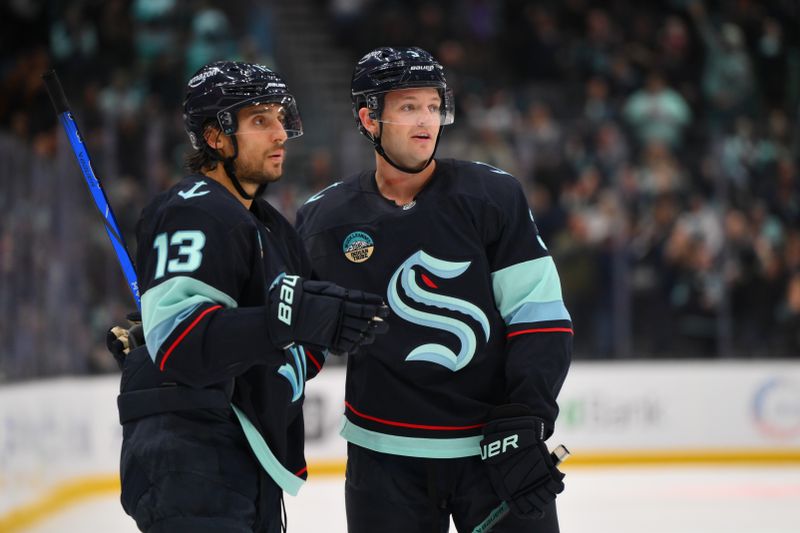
{"type": "Point", "coordinates": [598, 500]}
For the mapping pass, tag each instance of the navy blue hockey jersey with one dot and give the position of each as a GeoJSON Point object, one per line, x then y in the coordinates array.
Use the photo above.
{"type": "Point", "coordinates": [477, 313]}
{"type": "Point", "coordinates": [205, 264]}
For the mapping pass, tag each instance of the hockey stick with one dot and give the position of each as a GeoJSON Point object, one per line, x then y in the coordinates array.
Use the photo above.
{"type": "Point", "coordinates": [61, 106]}
{"type": "Point", "coordinates": [559, 455]}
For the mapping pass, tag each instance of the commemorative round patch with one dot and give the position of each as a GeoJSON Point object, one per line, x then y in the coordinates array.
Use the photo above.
{"type": "Point", "coordinates": [358, 247]}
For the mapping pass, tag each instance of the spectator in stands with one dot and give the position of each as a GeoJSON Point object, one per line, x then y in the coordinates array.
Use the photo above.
{"type": "Point", "coordinates": [728, 76]}
{"type": "Point", "coordinates": [657, 113]}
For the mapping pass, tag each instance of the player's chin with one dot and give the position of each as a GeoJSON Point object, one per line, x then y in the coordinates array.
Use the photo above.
{"type": "Point", "coordinates": [422, 151]}
{"type": "Point", "coordinates": [416, 164]}
{"type": "Point", "coordinates": [419, 160]}
{"type": "Point", "coordinates": [273, 172]}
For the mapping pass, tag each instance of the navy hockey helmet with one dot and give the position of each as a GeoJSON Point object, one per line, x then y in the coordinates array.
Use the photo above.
{"type": "Point", "coordinates": [391, 69]}
{"type": "Point", "coordinates": [218, 90]}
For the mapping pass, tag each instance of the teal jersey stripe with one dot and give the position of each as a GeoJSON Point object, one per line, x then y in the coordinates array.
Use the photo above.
{"type": "Point", "coordinates": [539, 312]}
{"type": "Point", "coordinates": [166, 305]}
{"type": "Point", "coordinates": [285, 479]}
{"type": "Point", "coordinates": [410, 446]}
{"type": "Point", "coordinates": [535, 281]}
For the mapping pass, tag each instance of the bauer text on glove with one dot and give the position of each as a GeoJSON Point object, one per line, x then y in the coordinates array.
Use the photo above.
{"type": "Point", "coordinates": [324, 315]}
{"type": "Point", "coordinates": [521, 469]}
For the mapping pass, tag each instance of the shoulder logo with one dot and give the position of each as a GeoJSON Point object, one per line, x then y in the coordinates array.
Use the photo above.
{"type": "Point", "coordinates": [492, 168]}
{"type": "Point", "coordinates": [193, 192]}
{"type": "Point", "coordinates": [321, 193]}
{"type": "Point", "coordinates": [358, 247]}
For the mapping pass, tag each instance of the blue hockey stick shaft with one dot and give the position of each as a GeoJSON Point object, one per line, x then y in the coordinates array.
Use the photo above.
{"type": "Point", "coordinates": [59, 99]}
{"type": "Point", "coordinates": [559, 455]}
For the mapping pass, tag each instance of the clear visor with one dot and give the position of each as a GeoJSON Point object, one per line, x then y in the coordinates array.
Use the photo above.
{"type": "Point", "coordinates": [260, 113]}
{"type": "Point", "coordinates": [414, 107]}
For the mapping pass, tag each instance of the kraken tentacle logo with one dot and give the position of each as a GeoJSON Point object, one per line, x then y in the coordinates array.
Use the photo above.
{"type": "Point", "coordinates": [436, 353]}
{"type": "Point", "coordinates": [295, 373]}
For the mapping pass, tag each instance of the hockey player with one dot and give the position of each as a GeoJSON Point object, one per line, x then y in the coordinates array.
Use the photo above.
{"type": "Point", "coordinates": [447, 415]}
{"type": "Point", "coordinates": [211, 405]}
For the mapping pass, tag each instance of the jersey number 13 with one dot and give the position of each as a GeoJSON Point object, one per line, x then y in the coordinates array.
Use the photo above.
{"type": "Point", "coordinates": [188, 256]}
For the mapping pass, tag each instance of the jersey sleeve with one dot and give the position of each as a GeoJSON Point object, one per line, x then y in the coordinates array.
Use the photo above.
{"type": "Point", "coordinates": [527, 293]}
{"type": "Point", "coordinates": [193, 269]}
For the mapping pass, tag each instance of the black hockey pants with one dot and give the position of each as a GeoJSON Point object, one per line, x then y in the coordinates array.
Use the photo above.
{"type": "Point", "coordinates": [396, 494]}
{"type": "Point", "coordinates": [190, 469]}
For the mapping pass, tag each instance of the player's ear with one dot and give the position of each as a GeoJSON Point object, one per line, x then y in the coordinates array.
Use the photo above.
{"type": "Point", "coordinates": [213, 137]}
{"type": "Point", "coordinates": [368, 120]}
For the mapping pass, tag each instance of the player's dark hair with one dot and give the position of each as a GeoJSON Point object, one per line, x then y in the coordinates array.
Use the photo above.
{"type": "Point", "coordinates": [217, 91]}
{"type": "Point", "coordinates": [197, 159]}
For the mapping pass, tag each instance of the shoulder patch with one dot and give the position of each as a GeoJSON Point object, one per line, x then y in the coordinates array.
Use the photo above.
{"type": "Point", "coordinates": [358, 247]}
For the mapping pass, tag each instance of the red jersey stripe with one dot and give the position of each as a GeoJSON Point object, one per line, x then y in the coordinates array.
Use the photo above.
{"type": "Point", "coordinates": [186, 332]}
{"type": "Point", "coordinates": [407, 425]}
{"type": "Point", "coordinates": [540, 330]}
{"type": "Point", "coordinates": [316, 364]}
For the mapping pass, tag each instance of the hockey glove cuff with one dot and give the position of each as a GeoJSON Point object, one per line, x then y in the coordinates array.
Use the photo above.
{"type": "Point", "coordinates": [323, 315]}
{"type": "Point", "coordinates": [521, 469]}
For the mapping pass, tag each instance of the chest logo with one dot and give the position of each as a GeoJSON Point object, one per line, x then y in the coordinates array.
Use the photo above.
{"type": "Point", "coordinates": [358, 247]}
{"type": "Point", "coordinates": [406, 277]}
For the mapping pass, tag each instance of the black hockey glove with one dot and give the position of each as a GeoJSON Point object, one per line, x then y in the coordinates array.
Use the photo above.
{"type": "Point", "coordinates": [121, 341]}
{"type": "Point", "coordinates": [323, 315]}
{"type": "Point", "coordinates": [521, 469]}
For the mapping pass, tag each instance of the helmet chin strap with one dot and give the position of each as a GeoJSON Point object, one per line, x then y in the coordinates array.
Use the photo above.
{"type": "Point", "coordinates": [376, 141]}
{"type": "Point", "coordinates": [227, 164]}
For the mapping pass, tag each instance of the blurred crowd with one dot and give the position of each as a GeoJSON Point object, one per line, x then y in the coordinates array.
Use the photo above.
{"type": "Point", "coordinates": [123, 65]}
{"type": "Point", "coordinates": [659, 143]}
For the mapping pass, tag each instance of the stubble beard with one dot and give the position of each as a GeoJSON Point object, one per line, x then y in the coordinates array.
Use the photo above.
{"type": "Point", "coordinates": [249, 173]}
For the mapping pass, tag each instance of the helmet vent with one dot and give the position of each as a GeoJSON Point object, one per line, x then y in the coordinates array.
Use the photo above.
{"type": "Point", "coordinates": [388, 75]}
{"type": "Point", "coordinates": [244, 90]}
